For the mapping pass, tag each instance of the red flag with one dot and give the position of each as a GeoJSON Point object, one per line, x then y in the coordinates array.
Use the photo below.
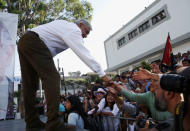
{"type": "Point", "coordinates": [166, 60]}
{"type": "Point", "coordinates": [168, 57]}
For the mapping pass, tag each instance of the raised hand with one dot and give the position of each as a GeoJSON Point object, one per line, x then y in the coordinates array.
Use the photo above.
{"type": "Point", "coordinates": [106, 79]}
{"type": "Point", "coordinates": [143, 74]}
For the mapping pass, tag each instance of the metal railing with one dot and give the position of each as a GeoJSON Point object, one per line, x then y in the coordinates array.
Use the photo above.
{"type": "Point", "coordinates": [120, 124]}
{"type": "Point", "coordinates": [111, 123]}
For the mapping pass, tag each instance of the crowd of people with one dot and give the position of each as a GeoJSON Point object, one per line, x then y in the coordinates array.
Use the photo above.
{"type": "Point", "coordinates": [133, 101]}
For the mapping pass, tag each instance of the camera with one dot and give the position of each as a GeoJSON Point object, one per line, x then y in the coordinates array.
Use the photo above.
{"type": "Point", "coordinates": [141, 123]}
{"type": "Point", "coordinates": [179, 84]}
{"type": "Point", "coordinates": [175, 83]}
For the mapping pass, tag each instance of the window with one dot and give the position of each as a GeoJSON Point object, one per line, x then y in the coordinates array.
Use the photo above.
{"type": "Point", "coordinates": [159, 17]}
{"type": "Point", "coordinates": [144, 26]}
{"type": "Point", "coordinates": [121, 41]}
{"type": "Point", "coordinates": [133, 34]}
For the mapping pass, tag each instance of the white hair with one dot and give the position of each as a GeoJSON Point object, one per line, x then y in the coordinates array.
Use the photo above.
{"type": "Point", "coordinates": [85, 22]}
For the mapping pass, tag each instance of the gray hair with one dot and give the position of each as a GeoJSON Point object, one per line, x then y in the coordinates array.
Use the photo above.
{"type": "Point", "coordinates": [85, 22]}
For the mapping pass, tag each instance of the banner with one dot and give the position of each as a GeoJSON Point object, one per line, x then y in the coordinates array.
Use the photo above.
{"type": "Point", "coordinates": [8, 33]}
{"type": "Point", "coordinates": [168, 57]}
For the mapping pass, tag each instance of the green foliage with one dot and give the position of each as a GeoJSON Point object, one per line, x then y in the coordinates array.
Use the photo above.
{"type": "Point", "coordinates": [137, 68]}
{"type": "Point", "coordinates": [31, 26]}
{"type": "Point", "coordinates": [2, 4]}
{"type": "Point", "coordinates": [99, 80]}
{"type": "Point", "coordinates": [145, 65]}
{"type": "Point", "coordinates": [36, 12]}
{"type": "Point", "coordinates": [79, 81]}
{"type": "Point", "coordinates": [92, 77]}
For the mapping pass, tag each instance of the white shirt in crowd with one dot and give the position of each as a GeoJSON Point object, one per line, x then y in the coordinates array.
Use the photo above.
{"type": "Point", "coordinates": [76, 120]}
{"type": "Point", "coordinates": [101, 105]}
{"type": "Point", "coordinates": [111, 123]}
{"type": "Point", "coordinates": [60, 35]}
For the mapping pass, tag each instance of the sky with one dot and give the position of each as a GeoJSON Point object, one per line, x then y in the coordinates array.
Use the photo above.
{"type": "Point", "coordinates": [108, 17]}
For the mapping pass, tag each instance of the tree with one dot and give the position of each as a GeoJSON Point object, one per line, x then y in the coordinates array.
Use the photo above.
{"type": "Point", "coordinates": [36, 12]}
{"type": "Point", "coordinates": [2, 4]}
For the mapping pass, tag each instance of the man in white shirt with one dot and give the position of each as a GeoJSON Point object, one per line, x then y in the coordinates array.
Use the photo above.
{"type": "Point", "coordinates": [36, 51]}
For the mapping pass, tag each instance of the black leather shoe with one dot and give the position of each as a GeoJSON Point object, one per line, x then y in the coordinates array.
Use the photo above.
{"type": "Point", "coordinates": [35, 126]}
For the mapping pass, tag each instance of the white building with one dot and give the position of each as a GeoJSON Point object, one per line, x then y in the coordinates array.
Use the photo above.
{"type": "Point", "coordinates": [144, 37]}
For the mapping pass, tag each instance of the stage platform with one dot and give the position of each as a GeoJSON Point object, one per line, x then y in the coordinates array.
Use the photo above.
{"type": "Point", "coordinates": [19, 125]}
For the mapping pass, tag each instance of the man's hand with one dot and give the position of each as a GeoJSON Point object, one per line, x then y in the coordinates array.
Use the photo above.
{"type": "Point", "coordinates": [106, 79]}
{"type": "Point", "coordinates": [143, 74]}
{"type": "Point", "coordinates": [145, 127]}
{"type": "Point", "coordinates": [96, 107]}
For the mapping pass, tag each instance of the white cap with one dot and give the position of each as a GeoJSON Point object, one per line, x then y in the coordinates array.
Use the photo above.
{"type": "Point", "coordinates": [100, 90]}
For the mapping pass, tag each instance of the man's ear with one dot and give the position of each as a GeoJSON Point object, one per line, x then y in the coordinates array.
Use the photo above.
{"type": "Point", "coordinates": [80, 24]}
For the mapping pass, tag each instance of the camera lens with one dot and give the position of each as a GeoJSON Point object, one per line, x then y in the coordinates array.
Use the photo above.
{"type": "Point", "coordinates": [172, 82]}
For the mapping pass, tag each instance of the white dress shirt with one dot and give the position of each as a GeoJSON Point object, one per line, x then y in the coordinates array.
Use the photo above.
{"type": "Point", "coordinates": [60, 35]}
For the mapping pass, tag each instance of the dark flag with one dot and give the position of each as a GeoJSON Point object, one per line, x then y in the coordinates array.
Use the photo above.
{"type": "Point", "coordinates": [168, 61]}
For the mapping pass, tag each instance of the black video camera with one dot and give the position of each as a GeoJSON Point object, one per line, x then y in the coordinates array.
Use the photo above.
{"type": "Point", "coordinates": [175, 83]}
{"type": "Point", "coordinates": [179, 84]}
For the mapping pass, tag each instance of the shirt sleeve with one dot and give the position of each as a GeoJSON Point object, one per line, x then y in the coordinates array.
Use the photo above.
{"type": "Point", "coordinates": [130, 108]}
{"type": "Point", "coordinates": [100, 107]}
{"type": "Point", "coordinates": [75, 41]}
{"type": "Point", "coordinates": [61, 108]}
{"type": "Point", "coordinates": [141, 98]}
{"type": "Point", "coordinates": [115, 110]}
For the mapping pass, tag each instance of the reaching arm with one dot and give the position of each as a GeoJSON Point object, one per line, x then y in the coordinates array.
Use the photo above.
{"type": "Point", "coordinates": [76, 44]}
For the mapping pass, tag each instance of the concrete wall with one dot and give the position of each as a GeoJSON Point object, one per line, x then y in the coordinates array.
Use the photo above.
{"type": "Point", "coordinates": [177, 23]}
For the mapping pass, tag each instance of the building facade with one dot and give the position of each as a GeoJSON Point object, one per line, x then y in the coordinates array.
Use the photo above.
{"type": "Point", "coordinates": [144, 37]}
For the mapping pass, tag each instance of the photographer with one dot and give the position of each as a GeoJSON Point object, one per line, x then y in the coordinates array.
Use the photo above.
{"type": "Point", "coordinates": [185, 71]}
{"type": "Point", "coordinates": [169, 98]}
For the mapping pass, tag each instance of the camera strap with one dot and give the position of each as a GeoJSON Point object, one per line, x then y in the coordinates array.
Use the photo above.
{"type": "Point", "coordinates": [179, 117]}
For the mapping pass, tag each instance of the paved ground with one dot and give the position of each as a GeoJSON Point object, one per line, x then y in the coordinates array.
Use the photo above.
{"type": "Point", "coordinates": [18, 125]}
{"type": "Point", "coordinates": [15, 125]}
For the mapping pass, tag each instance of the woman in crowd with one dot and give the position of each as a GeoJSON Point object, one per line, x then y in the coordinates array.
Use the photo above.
{"type": "Point", "coordinates": [62, 108]}
{"type": "Point", "coordinates": [76, 112]}
{"type": "Point", "coordinates": [99, 101]}
{"type": "Point", "coordinates": [110, 109]}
